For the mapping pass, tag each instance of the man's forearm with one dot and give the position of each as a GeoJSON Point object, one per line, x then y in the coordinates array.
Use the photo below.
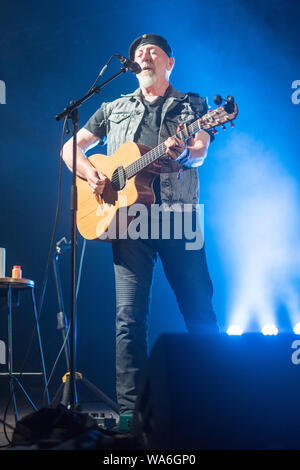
{"type": "Point", "coordinates": [196, 156]}
{"type": "Point", "coordinates": [197, 152]}
{"type": "Point", "coordinates": [82, 163]}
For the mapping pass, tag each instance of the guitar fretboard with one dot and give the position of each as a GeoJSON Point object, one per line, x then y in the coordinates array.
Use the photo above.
{"type": "Point", "coordinates": [160, 150]}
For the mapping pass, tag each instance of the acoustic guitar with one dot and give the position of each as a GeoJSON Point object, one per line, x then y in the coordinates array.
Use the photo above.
{"type": "Point", "coordinates": [131, 174]}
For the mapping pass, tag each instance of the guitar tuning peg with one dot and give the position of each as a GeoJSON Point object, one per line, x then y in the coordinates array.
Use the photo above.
{"type": "Point", "coordinates": [223, 127]}
{"type": "Point", "coordinates": [214, 131]}
{"type": "Point", "coordinates": [231, 124]}
{"type": "Point", "coordinates": [218, 100]}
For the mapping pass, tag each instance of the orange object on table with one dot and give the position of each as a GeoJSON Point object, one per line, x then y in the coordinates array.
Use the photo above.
{"type": "Point", "coordinates": [16, 272]}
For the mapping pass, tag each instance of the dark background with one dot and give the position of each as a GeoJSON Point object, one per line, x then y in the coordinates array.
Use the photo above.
{"type": "Point", "coordinates": [51, 53]}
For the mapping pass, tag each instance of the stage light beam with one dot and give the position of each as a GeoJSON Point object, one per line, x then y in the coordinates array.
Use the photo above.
{"type": "Point", "coordinates": [258, 222]}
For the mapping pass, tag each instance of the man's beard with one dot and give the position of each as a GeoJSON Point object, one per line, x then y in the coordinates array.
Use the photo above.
{"type": "Point", "coordinates": [147, 80]}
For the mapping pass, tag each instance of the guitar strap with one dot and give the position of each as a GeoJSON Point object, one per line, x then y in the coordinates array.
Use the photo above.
{"type": "Point", "coordinates": [198, 104]}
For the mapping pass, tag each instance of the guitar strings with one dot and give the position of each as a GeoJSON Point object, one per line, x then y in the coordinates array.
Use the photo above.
{"type": "Point", "coordinates": [158, 151]}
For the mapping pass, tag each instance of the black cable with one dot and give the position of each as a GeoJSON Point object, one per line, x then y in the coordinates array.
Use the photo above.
{"type": "Point", "coordinates": [55, 222]}
{"type": "Point", "coordinates": [101, 72]}
{"type": "Point", "coordinates": [80, 266]}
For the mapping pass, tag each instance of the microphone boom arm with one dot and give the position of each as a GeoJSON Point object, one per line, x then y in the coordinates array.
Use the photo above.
{"type": "Point", "coordinates": [96, 89]}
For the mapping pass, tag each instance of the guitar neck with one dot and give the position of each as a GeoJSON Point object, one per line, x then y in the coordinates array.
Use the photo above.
{"type": "Point", "coordinates": [160, 150]}
{"type": "Point", "coordinates": [145, 160]}
{"type": "Point", "coordinates": [209, 121]}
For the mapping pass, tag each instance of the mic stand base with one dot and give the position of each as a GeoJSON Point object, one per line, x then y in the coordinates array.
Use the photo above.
{"type": "Point", "coordinates": [65, 389]}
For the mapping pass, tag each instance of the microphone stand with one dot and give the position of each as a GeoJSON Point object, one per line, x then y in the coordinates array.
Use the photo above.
{"type": "Point", "coordinates": [61, 246]}
{"type": "Point", "coordinates": [71, 112]}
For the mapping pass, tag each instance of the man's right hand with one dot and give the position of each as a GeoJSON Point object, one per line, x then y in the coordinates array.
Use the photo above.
{"type": "Point", "coordinates": [96, 180]}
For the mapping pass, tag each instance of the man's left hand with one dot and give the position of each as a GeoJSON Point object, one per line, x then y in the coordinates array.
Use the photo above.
{"type": "Point", "coordinates": [191, 152]}
{"type": "Point", "coordinates": [175, 147]}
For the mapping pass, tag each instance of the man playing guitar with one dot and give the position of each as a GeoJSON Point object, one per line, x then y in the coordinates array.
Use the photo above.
{"type": "Point", "coordinates": [149, 116]}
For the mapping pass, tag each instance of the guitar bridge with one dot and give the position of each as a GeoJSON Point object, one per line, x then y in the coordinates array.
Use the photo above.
{"type": "Point", "coordinates": [118, 179]}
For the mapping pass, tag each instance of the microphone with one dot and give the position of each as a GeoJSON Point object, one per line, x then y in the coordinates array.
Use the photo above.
{"type": "Point", "coordinates": [129, 64]}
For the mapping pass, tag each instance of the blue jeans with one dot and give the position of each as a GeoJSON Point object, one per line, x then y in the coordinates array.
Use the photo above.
{"type": "Point", "coordinates": [188, 276]}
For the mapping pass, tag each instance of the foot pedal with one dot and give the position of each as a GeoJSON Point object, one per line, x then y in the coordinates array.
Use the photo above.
{"type": "Point", "coordinates": [103, 421]}
{"type": "Point", "coordinates": [125, 422]}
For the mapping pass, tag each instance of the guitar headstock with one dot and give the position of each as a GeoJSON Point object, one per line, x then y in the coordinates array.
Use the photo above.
{"type": "Point", "coordinates": [221, 115]}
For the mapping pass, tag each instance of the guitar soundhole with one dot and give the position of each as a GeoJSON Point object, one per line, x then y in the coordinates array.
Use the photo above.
{"type": "Point", "coordinates": [118, 179]}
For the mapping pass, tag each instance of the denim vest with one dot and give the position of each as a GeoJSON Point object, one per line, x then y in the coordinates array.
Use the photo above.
{"type": "Point", "coordinates": [122, 118]}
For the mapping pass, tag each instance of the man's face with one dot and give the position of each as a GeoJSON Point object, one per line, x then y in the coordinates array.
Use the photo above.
{"type": "Point", "coordinates": [154, 62]}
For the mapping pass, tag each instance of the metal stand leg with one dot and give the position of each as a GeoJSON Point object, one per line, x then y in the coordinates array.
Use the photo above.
{"type": "Point", "coordinates": [25, 393]}
{"type": "Point", "coordinates": [65, 388]}
{"type": "Point", "coordinates": [40, 345]}
{"type": "Point", "coordinates": [10, 356]}
{"type": "Point", "coordinates": [104, 398]}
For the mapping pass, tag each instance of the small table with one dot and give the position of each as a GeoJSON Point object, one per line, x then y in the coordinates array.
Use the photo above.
{"type": "Point", "coordinates": [13, 285]}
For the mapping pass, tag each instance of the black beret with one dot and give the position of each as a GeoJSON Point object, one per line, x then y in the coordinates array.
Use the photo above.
{"type": "Point", "coordinates": [150, 39]}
